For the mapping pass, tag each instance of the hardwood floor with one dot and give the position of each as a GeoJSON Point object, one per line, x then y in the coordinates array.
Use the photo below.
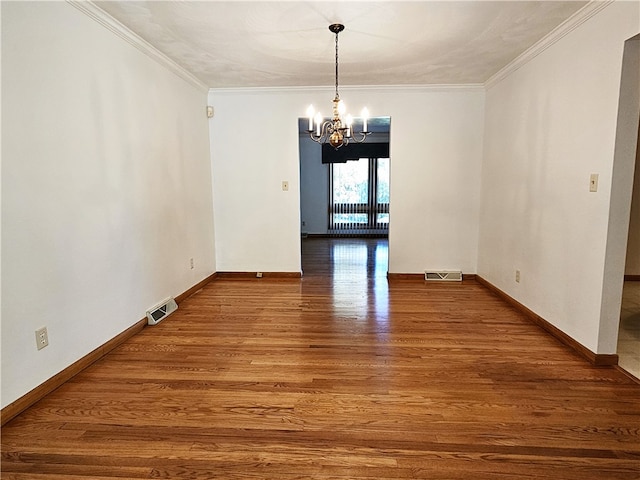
{"type": "Point", "coordinates": [338, 375]}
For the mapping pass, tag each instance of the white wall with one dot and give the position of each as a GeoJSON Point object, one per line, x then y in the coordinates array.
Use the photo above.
{"type": "Point", "coordinates": [436, 154]}
{"type": "Point", "coordinates": [106, 188]}
{"type": "Point", "coordinates": [549, 125]}
{"type": "Point", "coordinates": [314, 188]}
{"type": "Point", "coordinates": [436, 151]}
{"type": "Point", "coordinates": [254, 148]}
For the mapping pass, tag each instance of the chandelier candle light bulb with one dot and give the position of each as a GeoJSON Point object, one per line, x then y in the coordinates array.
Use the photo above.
{"type": "Point", "coordinates": [365, 118]}
{"type": "Point", "coordinates": [336, 131]}
{"type": "Point", "coordinates": [318, 123]}
{"type": "Point", "coordinates": [310, 114]}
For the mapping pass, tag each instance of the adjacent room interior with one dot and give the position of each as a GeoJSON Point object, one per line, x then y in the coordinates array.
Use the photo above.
{"type": "Point", "coordinates": [629, 334]}
{"type": "Point", "coordinates": [351, 184]}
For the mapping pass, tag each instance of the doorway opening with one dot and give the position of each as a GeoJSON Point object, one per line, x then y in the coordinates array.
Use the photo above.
{"type": "Point", "coordinates": [629, 332]}
{"type": "Point", "coordinates": [345, 193]}
{"type": "Point", "coordinates": [622, 259]}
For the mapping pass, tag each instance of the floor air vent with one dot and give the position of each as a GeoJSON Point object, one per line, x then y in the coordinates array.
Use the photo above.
{"type": "Point", "coordinates": [443, 275]}
{"type": "Point", "coordinates": [156, 314]}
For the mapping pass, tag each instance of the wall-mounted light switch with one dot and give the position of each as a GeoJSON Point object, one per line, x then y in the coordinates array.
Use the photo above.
{"type": "Point", "coordinates": [285, 186]}
{"type": "Point", "coordinates": [593, 182]}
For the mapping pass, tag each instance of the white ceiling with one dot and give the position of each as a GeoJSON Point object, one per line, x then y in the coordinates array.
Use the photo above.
{"type": "Point", "coordinates": [287, 43]}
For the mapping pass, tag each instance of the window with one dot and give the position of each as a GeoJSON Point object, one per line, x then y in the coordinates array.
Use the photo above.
{"type": "Point", "coordinates": [360, 196]}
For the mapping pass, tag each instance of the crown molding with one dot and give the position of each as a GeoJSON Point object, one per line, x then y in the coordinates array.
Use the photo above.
{"type": "Point", "coordinates": [566, 27]}
{"type": "Point", "coordinates": [468, 87]}
{"type": "Point", "coordinates": [97, 14]}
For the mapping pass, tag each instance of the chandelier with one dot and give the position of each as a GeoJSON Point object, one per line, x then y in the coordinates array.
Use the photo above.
{"type": "Point", "coordinates": [337, 131]}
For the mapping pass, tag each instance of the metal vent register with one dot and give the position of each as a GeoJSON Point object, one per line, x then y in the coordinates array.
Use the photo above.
{"type": "Point", "coordinates": [159, 312]}
{"type": "Point", "coordinates": [443, 275]}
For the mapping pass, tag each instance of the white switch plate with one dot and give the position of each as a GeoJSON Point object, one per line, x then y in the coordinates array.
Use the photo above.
{"type": "Point", "coordinates": [285, 186]}
{"type": "Point", "coordinates": [593, 182]}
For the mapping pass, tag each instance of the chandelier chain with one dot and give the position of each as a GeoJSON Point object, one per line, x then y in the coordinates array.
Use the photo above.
{"type": "Point", "coordinates": [337, 95]}
{"type": "Point", "coordinates": [337, 131]}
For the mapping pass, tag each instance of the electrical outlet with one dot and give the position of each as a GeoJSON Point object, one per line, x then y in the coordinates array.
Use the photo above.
{"type": "Point", "coordinates": [191, 263]}
{"type": "Point", "coordinates": [42, 338]}
{"type": "Point", "coordinates": [258, 274]}
{"type": "Point", "coordinates": [517, 276]}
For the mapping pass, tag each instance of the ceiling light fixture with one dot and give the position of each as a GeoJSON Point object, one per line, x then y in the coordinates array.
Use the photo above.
{"type": "Point", "coordinates": [337, 132]}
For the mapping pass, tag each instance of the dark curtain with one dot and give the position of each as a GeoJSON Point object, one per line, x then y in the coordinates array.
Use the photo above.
{"type": "Point", "coordinates": [354, 151]}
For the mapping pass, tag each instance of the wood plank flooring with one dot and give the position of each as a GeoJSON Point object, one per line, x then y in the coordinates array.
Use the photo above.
{"type": "Point", "coordinates": [338, 375]}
